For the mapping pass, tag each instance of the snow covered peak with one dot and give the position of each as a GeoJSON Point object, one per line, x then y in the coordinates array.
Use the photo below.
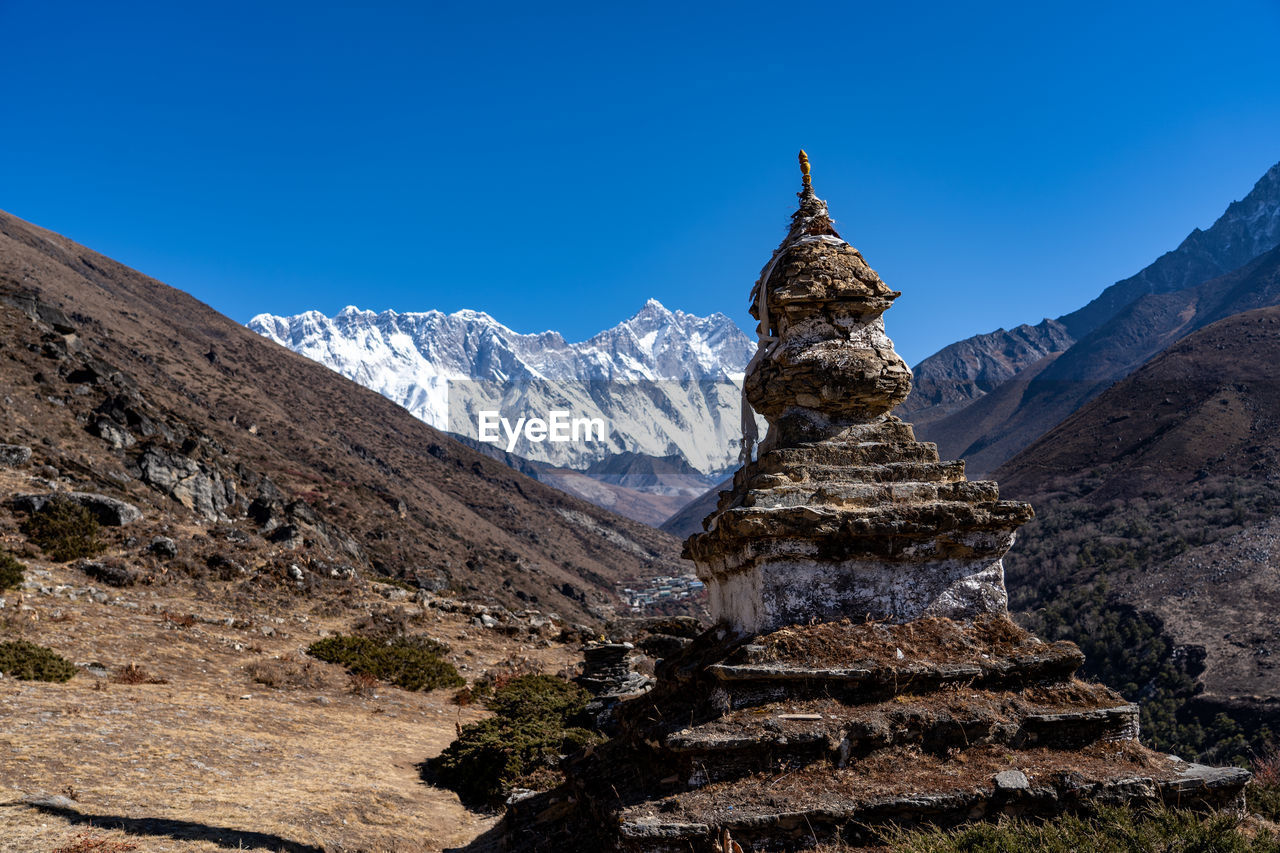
{"type": "Point", "coordinates": [411, 357]}
{"type": "Point", "coordinates": [653, 307]}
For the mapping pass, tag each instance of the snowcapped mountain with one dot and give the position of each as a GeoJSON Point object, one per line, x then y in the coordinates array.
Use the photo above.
{"type": "Point", "coordinates": [665, 383]}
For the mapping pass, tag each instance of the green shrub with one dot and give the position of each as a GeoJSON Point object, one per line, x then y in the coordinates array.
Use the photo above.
{"type": "Point", "coordinates": [412, 664]}
{"type": "Point", "coordinates": [1111, 830]}
{"type": "Point", "coordinates": [64, 530]}
{"type": "Point", "coordinates": [538, 697]}
{"type": "Point", "coordinates": [530, 731]}
{"type": "Point", "coordinates": [10, 571]}
{"type": "Point", "coordinates": [1264, 800]}
{"type": "Point", "coordinates": [29, 662]}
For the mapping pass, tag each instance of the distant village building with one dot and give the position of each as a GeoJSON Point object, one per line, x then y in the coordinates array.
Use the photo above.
{"type": "Point", "coordinates": [661, 589]}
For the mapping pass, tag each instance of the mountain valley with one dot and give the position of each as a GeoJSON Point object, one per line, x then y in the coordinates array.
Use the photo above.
{"type": "Point", "coordinates": [987, 397]}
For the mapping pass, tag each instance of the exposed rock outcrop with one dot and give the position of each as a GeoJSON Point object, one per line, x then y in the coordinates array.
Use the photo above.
{"type": "Point", "coordinates": [109, 511]}
{"type": "Point", "coordinates": [195, 486]}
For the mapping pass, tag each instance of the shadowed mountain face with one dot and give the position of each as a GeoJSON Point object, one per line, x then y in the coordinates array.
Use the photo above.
{"type": "Point", "coordinates": [135, 389]}
{"type": "Point", "coordinates": [967, 370]}
{"type": "Point", "coordinates": [1164, 491]}
{"type": "Point", "coordinates": [987, 397]}
{"type": "Point", "coordinates": [1024, 408]}
{"type": "Point", "coordinates": [687, 520]}
{"type": "Point", "coordinates": [1248, 228]}
{"type": "Point", "coordinates": [1208, 405]}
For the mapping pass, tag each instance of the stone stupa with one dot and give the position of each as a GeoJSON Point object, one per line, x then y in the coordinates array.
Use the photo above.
{"type": "Point", "coordinates": [864, 670]}
{"type": "Point", "coordinates": [845, 514]}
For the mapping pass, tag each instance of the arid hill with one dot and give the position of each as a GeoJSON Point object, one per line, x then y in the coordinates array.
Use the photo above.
{"type": "Point", "coordinates": [1162, 496]}
{"type": "Point", "coordinates": [128, 387]}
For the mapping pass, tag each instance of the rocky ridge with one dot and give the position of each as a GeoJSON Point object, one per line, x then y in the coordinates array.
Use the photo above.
{"type": "Point", "coordinates": [987, 397]}
{"type": "Point", "coordinates": [243, 453]}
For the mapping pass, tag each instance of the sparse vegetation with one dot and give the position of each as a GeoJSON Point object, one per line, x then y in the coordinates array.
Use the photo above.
{"type": "Point", "coordinates": [96, 844]}
{"type": "Point", "coordinates": [1059, 578]}
{"type": "Point", "coordinates": [64, 530]}
{"type": "Point", "coordinates": [286, 672]}
{"type": "Point", "coordinates": [532, 728]}
{"type": "Point", "coordinates": [178, 620]}
{"type": "Point", "coordinates": [11, 571]}
{"type": "Point", "coordinates": [1111, 830]}
{"type": "Point", "coordinates": [1264, 793]}
{"type": "Point", "coordinates": [29, 662]}
{"type": "Point", "coordinates": [387, 580]}
{"type": "Point", "coordinates": [133, 674]}
{"type": "Point", "coordinates": [495, 678]}
{"type": "Point", "coordinates": [1129, 652]}
{"type": "Point", "coordinates": [390, 624]}
{"type": "Point", "coordinates": [409, 663]}
{"type": "Point", "coordinates": [361, 684]}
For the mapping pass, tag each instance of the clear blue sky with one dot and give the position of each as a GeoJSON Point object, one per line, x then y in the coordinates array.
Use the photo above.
{"type": "Point", "coordinates": [557, 164]}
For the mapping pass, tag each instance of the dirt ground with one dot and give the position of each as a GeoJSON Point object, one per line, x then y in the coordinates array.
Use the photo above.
{"type": "Point", "coordinates": [212, 760]}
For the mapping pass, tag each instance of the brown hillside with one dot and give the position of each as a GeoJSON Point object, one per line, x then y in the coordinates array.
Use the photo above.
{"type": "Point", "coordinates": [1164, 489]}
{"type": "Point", "coordinates": [132, 388]}
{"type": "Point", "coordinates": [1207, 405]}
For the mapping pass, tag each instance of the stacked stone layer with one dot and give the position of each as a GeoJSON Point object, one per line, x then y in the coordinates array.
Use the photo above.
{"type": "Point", "coordinates": [833, 355]}
{"type": "Point", "coordinates": [844, 513]}
{"type": "Point", "coordinates": [607, 674]}
{"type": "Point", "coordinates": [868, 523]}
{"type": "Point", "coordinates": [831, 732]}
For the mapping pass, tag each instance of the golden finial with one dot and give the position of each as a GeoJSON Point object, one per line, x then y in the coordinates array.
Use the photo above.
{"type": "Point", "coordinates": [804, 170]}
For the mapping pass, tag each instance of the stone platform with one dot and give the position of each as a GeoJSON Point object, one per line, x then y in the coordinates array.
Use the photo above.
{"type": "Point", "coordinates": [869, 521]}
{"type": "Point", "coordinates": [829, 732]}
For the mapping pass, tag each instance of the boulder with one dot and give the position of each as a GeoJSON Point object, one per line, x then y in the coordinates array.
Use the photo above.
{"type": "Point", "coordinates": [192, 484]}
{"type": "Point", "coordinates": [14, 455]}
{"type": "Point", "coordinates": [108, 573]}
{"type": "Point", "coordinates": [163, 546]}
{"type": "Point", "coordinates": [109, 511]}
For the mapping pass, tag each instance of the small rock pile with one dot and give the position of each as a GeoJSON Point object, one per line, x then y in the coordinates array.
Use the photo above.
{"type": "Point", "coordinates": [608, 676]}
{"type": "Point", "coordinates": [606, 671]}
